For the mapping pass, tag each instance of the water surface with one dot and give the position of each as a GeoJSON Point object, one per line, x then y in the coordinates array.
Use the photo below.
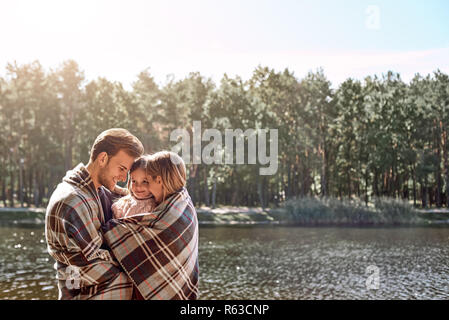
{"type": "Point", "coordinates": [271, 263]}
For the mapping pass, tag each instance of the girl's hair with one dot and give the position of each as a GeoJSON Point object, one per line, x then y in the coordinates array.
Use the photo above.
{"type": "Point", "coordinates": [170, 167]}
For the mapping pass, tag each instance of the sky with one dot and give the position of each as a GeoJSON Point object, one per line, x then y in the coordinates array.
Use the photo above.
{"type": "Point", "coordinates": [119, 39]}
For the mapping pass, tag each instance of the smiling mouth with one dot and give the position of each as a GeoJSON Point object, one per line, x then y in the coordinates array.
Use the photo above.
{"type": "Point", "coordinates": [142, 196]}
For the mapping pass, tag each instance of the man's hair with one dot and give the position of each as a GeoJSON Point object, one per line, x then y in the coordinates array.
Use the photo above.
{"type": "Point", "coordinates": [113, 140]}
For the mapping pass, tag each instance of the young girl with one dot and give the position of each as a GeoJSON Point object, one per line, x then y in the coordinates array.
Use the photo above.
{"type": "Point", "coordinates": [153, 178]}
{"type": "Point", "coordinates": [138, 198]}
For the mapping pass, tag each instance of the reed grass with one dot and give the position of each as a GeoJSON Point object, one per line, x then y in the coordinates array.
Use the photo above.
{"type": "Point", "coordinates": [333, 211]}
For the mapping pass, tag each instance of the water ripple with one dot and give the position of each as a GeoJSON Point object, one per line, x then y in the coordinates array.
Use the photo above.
{"type": "Point", "coordinates": [271, 263]}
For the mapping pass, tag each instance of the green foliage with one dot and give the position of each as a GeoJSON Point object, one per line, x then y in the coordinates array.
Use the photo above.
{"type": "Point", "coordinates": [379, 137]}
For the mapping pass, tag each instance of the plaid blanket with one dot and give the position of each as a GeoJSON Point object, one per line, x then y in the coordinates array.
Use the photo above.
{"type": "Point", "coordinates": [159, 250]}
{"type": "Point", "coordinates": [72, 228]}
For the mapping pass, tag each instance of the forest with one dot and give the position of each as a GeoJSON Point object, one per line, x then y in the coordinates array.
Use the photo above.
{"type": "Point", "coordinates": [380, 137]}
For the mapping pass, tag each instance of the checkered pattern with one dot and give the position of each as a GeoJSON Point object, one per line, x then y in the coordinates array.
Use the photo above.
{"type": "Point", "coordinates": [72, 228]}
{"type": "Point", "coordinates": [159, 250]}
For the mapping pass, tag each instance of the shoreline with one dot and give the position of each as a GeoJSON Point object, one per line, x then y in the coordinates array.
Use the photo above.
{"type": "Point", "coordinates": [246, 216]}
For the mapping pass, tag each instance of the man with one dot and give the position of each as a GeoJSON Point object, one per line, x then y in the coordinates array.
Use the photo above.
{"type": "Point", "coordinates": [85, 268]}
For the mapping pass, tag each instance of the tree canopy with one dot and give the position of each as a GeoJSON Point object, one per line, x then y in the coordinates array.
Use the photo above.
{"type": "Point", "coordinates": [364, 139]}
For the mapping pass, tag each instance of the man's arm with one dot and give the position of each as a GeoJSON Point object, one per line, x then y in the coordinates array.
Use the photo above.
{"type": "Point", "coordinates": [74, 240]}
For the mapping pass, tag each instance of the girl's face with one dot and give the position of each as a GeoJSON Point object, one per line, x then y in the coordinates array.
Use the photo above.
{"type": "Point", "coordinates": [140, 186]}
{"type": "Point", "coordinates": [156, 188]}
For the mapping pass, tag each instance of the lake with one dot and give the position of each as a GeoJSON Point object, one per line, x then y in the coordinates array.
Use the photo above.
{"type": "Point", "coordinates": [271, 262]}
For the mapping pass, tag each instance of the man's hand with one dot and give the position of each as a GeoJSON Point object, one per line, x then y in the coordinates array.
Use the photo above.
{"type": "Point", "coordinates": [121, 191]}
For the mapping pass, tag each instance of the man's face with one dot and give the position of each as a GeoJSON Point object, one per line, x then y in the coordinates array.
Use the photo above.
{"type": "Point", "coordinates": [114, 170]}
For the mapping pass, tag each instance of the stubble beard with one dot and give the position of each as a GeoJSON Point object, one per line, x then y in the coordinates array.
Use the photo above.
{"type": "Point", "coordinates": [104, 181]}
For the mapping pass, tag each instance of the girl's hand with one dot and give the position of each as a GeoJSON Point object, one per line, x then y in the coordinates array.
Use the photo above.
{"type": "Point", "coordinates": [121, 191]}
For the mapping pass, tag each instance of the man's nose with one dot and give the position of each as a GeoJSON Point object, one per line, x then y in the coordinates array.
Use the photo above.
{"type": "Point", "coordinates": [122, 177]}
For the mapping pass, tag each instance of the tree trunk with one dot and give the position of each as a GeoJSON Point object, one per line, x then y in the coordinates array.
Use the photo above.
{"type": "Point", "coordinates": [35, 191]}
{"type": "Point", "coordinates": [348, 178]}
{"type": "Point", "coordinates": [424, 193]}
{"type": "Point", "coordinates": [192, 182]}
{"type": "Point", "coordinates": [307, 181]}
{"type": "Point", "coordinates": [375, 184]}
{"type": "Point", "coordinates": [414, 184]}
{"type": "Point", "coordinates": [260, 191]}
{"type": "Point", "coordinates": [206, 189]}
{"type": "Point", "coordinates": [446, 164]}
{"type": "Point", "coordinates": [69, 133]}
{"type": "Point", "coordinates": [366, 187]}
{"type": "Point", "coordinates": [68, 154]}
{"type": "Point", "coordinates": [323, 174]}
{"type": "Point", "coordinates": [214, 193]}
{"type": "Point", "coordinates": [439, 186]}
{"type": "Point", "coordinates": [20, 183]}
{"type": "Point", "coordinates": [4, 192]}
{"type": "Point", "coordinates": [430, 192]}
{"type": "Point", "coordinates": [235, 185]}
{"type": "Point", "coordinates": [29, 187]}
{"type": "Point", "coordinates": [11, 190]}
{"type": "Point", "coordinates": [358, 189]}
{"type": "Point", "coordinates": [294, 191]}
{"type": "Point", "coordinates": [50, 185]}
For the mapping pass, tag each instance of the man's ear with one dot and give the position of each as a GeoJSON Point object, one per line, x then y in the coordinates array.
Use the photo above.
{"type": "Point", "coordinates": [102, 159]}
{"type": "Point", "coordinates": [158, 179]}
